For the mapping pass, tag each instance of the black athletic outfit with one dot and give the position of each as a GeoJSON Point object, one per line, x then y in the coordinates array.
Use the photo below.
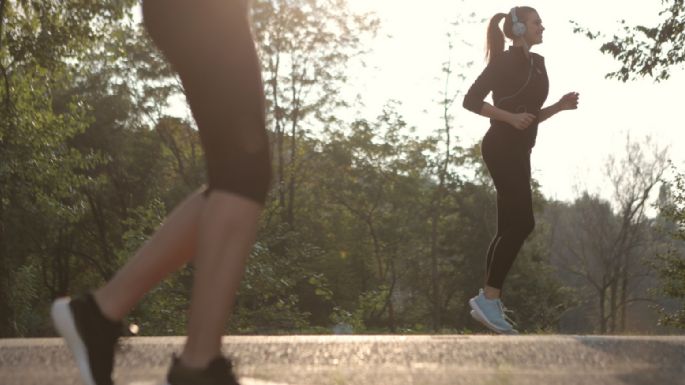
{"type": "Point", "coordinates": [518, 84]}
{"type": "Point", "coordinates": [209, 43]}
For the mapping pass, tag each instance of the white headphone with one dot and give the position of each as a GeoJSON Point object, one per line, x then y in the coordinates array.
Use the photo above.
{"type": "Point", "coordinates": [517, 28]}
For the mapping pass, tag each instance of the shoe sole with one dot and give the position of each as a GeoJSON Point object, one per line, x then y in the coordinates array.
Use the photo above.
{"type": "Point", "coordinates": [479, 316]}
{"type": "Point", "coordinates": [66, 327]}
{"type": "Point", "coordinates": [475, 316]}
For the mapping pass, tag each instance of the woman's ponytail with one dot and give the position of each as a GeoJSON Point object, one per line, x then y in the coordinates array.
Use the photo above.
{"type": "Point", "coordinates": [495, 42]}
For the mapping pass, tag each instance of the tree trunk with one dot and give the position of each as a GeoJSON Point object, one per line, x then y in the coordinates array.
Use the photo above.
{"type": "Point", "coordinates": [292, 183]}
{"type": "Point", "coordinates": [279, 133]}
{"type": "Point", "coordinates": [613, 294]}
{"type": "Point", "coordinates": [602, 311]}
{"type": "Point", "coordinates": [5, 310]}
{"type": "Point", "coordinates": [435, 287]}
{"type": "Point", "coordinates": [624, 298]}
{"type": "Point", "coordinates": [376, 248]}
{"type": "Point", "coordinates": [3, 71]}
{"type": "Point", "coordinates": [363, 277]}
{"type": "Point", "coordinates": [391, 306]}
{"type": "Point", "coordinates": [103, 267]}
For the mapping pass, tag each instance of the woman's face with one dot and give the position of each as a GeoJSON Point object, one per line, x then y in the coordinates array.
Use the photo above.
{"type": "Point", "coordinates": [534, 29]}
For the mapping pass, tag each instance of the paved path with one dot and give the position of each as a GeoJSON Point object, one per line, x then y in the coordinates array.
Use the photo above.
{"type": "Point", "coordinates": [380, 360]}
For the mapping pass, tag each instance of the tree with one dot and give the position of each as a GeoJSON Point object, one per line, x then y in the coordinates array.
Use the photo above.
{"type": "Point", "coordinates": [83, 177]}
{"type": "Point", "coordinates": [670, 264]}
{"type": "Point", "coordinates": [369, 168]}
{"type": "Point", "coordinates": [602, 242]}
{"type": "Point", "coordinates": [39, 171]}
{"type": "Point", "coordinates": [647, 51]}
{"type": "Point", "coordinates": [653, 51]}
{"type": "Point", "coordinates": [304, 47]}
{"type": "Point", "coordinates": [369, 226]}
{"type": "Point", "coordinates": [447, 180]}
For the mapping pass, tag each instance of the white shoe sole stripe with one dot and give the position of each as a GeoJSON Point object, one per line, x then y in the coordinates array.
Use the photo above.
{"type": "Point", "coordinates": [475, 316]}
{"type": "Point", "coordinates": [483, 319]}
{"type": "Point", "coordinates": [66, 327]}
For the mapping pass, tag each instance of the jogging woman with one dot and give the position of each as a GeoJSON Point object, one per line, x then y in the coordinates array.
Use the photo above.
{"type": "Point", "coordinates": [209, 44]}
{"type": "Point", "coordinates": [518, 81]}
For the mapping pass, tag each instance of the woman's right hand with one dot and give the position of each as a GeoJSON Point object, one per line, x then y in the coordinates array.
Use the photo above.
{"type": "Point", "coordinates": [521, 121]}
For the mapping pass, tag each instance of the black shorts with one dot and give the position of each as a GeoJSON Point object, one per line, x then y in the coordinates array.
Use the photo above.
{"type": "Point", "coordinates": [209, 43]}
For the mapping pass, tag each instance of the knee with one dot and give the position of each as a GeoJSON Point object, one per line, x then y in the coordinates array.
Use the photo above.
{"type": "Point", "coordinates": [252, 182]}
{"type": "Point", "coordinates": [523, 228]}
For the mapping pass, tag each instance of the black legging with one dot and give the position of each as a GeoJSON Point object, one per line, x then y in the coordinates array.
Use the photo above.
{"type": "Point", "coordinates": [508, 162]}
{"type": "Point", "coordinates": [210, 45]}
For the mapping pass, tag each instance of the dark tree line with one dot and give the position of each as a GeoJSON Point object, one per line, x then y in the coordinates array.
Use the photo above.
{"type": "Point", "coordinates": [368, 228]}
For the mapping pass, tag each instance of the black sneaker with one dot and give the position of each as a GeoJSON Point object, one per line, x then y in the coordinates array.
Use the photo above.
{"type": "Point", "coordinates": [90, 336]}
{"type": "Point", "coordinates": [218, 372]}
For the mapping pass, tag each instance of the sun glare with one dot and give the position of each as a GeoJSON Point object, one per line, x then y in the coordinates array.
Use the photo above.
{"type": "Point", "coordinates": [407, 56]}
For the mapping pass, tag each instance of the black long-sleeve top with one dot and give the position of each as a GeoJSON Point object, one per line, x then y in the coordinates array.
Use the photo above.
{"type": "Point", "coordinates": [518, 84]}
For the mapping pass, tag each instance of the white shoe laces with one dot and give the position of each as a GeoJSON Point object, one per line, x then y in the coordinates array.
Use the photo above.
{"type": "Point", "coordinates": [504, 311]}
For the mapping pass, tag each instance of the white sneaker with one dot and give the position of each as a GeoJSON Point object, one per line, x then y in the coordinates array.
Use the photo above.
{"type": "Point", "coordinates": [490, 312]}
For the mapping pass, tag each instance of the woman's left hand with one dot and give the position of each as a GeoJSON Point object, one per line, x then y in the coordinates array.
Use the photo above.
{"type": "Point", "coordinates": [569, 101]}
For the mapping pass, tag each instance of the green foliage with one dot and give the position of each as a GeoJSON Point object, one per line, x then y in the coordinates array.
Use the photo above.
{"type": "Point", "coordinates": [25, 293]}
{"type": "Point", "coordinates": [671, 263]}
{"type": "Point", "coordinates": [39, 171]}
{"type": "Point", "coordinates": [647, 51]}
{"type": "Point", "coordinates": [268, 301]}
{"type": "Point", "coordinates": [368, 229]}
{"type": "Point", "coordinates": [61, 138]}
{"type": "Point", "coordinates": [164, 311]}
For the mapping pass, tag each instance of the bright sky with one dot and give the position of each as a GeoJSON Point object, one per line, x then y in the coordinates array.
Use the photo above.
{"type": "Point", "coordinates": [572, 146]}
